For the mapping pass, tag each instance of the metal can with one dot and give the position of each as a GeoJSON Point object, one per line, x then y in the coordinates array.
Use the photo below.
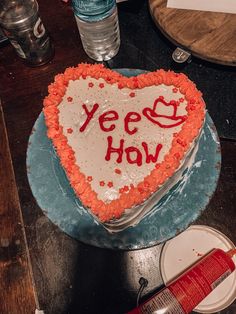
{"type": "Point", "coordinates": [21, 23]}
{"type": "Point", "coordinates": [186, 249]}
{"type": "Point", "coordinates": [186, 291]}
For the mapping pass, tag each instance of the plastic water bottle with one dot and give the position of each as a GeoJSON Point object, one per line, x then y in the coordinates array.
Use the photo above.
{"type": "Point", "coordinates": [98, 26]}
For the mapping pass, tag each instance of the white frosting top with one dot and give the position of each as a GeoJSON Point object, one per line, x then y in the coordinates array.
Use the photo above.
{"type": "Point", "coordinates": [90, 146]}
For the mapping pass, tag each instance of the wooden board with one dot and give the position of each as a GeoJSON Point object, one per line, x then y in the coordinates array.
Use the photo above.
{"type": "Point", "coordinates": [71, 277]}
{"type": "Point", "coordinates": [17, 291]}
{"type": "Point", "coordinates": [207, 35]}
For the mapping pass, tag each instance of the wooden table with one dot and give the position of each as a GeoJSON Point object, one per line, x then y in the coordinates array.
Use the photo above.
{"type": "Point", "coordinates": [40, 266]}
{"type": "Point", "coordinates": [209, 35]}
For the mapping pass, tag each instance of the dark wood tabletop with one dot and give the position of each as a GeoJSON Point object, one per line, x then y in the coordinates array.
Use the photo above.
{"type": "Point", "coordinates": [40, 266]}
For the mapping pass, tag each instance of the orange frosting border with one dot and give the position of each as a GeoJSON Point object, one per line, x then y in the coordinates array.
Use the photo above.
{"type": "Point", "coordinates": [180, 144]}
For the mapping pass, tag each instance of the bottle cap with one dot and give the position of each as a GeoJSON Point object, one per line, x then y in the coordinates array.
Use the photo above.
{"type": "Point", "coordinates": [231, 252]}
{"type": "Point", "coordinates": [189, 246]}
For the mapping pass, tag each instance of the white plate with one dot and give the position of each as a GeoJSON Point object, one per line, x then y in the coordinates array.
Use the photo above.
{"type": "Point", "coordinates": [187, 248]}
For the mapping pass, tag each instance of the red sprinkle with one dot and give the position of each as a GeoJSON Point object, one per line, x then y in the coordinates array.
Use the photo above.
{"type": "Point", "coordinates": [120, 86]}
{"type": "Point", "coordinates": [70, 130]}
{"type": "Point", "coordinates": [90, 84]}
{"type": "Point", "coordinates": [101, 85]}
{"type": "Point", "coordinates": [177, 155]}
{"type": "Point", "coordinates": [110, 184]}
{"type": "Point", "coordinates": [118, 171]}
{"type": "Point", "coordinates": [90, 178]}
{"type": "Point", "coordinates": [69, 99]}
{"type": "Point", "coordinates": [101, 183]}
{"type": "Point", "coordinates": [126, 188]}
{"type": "Point", "coordinates": [146, 184]}
{"type": "Point", "coordinates": [132, 94]}
{"type": "Point", "coordinates": [192, 101]}
{"type": "Point", "coordinates": [175, 90]}
{"type": "Point", "coordinates": [157, 166]}
{"type": "Point", "coordinates": [192, 107]}
{"type": "Point", "coordinates": [181, 99]}
{"type": "Point", "coordinates": [135, 84]}
{"type": "Point", "coordinates": [182, 143]}
{"type": "Point", "coordinates": [141, 190]}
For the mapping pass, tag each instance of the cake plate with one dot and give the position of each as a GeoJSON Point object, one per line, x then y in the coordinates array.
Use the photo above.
{"type": "Point", "coordinates": [179, 208]}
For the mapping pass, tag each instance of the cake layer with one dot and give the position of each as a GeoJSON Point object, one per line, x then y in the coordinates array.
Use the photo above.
{"type": "Point", "coordinates": [121, 139]}
{"type": "Point", "coordinates": [133, 216]}
{"type": "Point", "coordinates": [90, 146]}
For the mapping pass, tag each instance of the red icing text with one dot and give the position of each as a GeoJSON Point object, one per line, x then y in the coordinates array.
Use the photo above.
{"type": "Point", "coordinates": [119, 150]}
{"type": "Point", "coordinates": [131, 117]}
{"type": "Point", "coordinates": [149, 157]}
{"type": "Point", "coordinates": [133, 154]}
{"type": "Point", "coordinates": [108, 116]}
{"type": "Point", "coordinates": [89, 114]}
{"type": "Point", "coordinates": [173, 120]}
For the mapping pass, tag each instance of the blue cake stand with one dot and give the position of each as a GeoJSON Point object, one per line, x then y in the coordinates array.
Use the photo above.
{"type": "Point", "coordinates": [172, 214]}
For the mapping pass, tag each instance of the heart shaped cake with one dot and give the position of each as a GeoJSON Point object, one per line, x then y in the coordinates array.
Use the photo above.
{"type": "Point", "coordinates": [120, 140]}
